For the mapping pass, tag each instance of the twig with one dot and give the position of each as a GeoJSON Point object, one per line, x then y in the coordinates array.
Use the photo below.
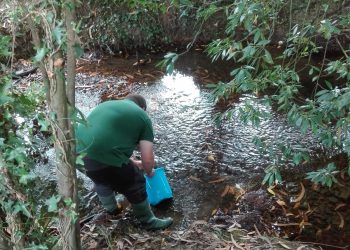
{"type": "Point", "coordinates": [341, 47]}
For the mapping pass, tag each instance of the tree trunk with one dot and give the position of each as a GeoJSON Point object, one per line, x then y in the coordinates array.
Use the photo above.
{"type": "Point", "coordinates": [66, 174]}
{"type": "Point", "coordinates": [58, 99]}
{"type": "Point", "coordinates": [69, 13]}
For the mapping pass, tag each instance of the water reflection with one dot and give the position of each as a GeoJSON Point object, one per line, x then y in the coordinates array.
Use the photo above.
{"type": "Point", "coordinates": [181, 88]}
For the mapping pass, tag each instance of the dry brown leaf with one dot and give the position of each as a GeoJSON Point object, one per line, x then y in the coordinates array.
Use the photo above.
{"type": "Point", "coordinates": [235, 243]}
{"type": "Point", "coordinates": [211, 157]}
{"type": "Point", "coordinates": [218, 180]}
{"type": "Point", "coordinates": [283, 192]}
{"type": "Point", "coordinates": [301, 247]}
{"type": "Point", "coordinates": [150, 75]}
{"type": "Point", "coordinates": [284, 245]}
{"type": "Point", "coordinates": [195, 178]}
{"type": "Point", "coordinates": [339, 206]}
{"type": "Point", "coordinates": [281, 203]}
{"type": "Point", "coordinates": [227, 188]}
{"type": "Point", "coordinates": [301, 195]}
{"type": "Point", "coordinates": [129, 76]}
{"type": "Point", "coordinates": [297, 205]}
{"type": "Point", "coordinates": [341, 224]}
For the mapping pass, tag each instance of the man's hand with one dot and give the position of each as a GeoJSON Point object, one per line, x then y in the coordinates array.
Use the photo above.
{"type": "Point", "coordinates": [137, 163]}
{"type": "Point", "coordinates": [150, 174]}
{"type": "Point", "coordinates": [147, 157]}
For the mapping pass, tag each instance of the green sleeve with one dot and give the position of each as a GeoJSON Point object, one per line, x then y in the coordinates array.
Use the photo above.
{"type": "Point", "coordinates": [147, 132]}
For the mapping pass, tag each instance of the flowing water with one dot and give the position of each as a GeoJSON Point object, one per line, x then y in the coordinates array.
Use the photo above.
{"type": "Point", "coordinates": [200, 158]}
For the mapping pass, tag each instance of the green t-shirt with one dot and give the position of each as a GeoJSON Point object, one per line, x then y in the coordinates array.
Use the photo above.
{"type": "Point", "coordinates": [113, 130]}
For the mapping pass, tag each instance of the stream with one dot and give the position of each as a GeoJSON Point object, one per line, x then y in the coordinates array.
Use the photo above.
{"type": "Point", "coordinates": [200, 158]}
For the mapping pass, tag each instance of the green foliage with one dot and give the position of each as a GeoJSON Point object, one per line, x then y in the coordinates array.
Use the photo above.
{"type": "Point", "coordinates": [168, 62]}
{"type": "Point", "coordinates": [324, 176]}
{"type": "Point", "coordinates": [325, 113]}
{"type": "Point", "coordinates": [272, 175]}
{"type": "Point", "coordinates": [126, 24]}
{"type": "Point", "coordinates": [17, 179]}
{"type": "Point", "coordinates": [4, 47]}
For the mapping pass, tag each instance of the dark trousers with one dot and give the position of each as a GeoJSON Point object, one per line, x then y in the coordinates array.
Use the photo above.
{"type": "Point", "coordinates": [127, 179]}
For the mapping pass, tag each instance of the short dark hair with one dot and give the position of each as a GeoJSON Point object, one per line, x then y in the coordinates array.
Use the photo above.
{"type": "Point", "coordinates": [138, 99]}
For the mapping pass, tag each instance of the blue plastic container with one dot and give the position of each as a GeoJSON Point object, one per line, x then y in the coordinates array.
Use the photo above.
{"type": "Point", "coordinates": [157, 187]}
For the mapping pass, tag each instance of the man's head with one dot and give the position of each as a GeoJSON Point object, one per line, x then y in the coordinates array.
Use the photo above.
{"type": "Point", "coordinates": [138, 99]}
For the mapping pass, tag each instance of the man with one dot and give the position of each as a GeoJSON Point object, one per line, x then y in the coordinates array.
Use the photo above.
{"type": "Point", "coordinates": [113, 131]}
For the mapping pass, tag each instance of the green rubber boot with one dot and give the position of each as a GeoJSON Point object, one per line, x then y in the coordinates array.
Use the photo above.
{"type": "Point", "coordinates": [144, 214]}
{"type": "Point", "coordinates": [109, 203]}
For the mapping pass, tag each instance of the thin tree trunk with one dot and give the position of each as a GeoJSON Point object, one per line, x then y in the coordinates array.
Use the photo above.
{"type": "Point", "coordinates": [66, 174]}
{"type": "Point", "coordinates": [69, 13]}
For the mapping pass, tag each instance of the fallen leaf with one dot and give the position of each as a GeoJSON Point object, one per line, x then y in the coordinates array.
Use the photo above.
{"type": "Point", "coordinates": [214, 211]}
{"type": "Point", "coordinates": [269, 189]}
{"type": "Point", "coordinates": [296, 205]}
{"type": "Point", "coordinates": [286, 224]}
{"type": "Point", "coordinates": [301, 195]}
{"type": "Point", "coordinates": [218, 180]}
{"type": "Point", "coordinates": [339, 206]}
{"type": "Point", "coordinates": [195, 178]}
{"type": "Point", "coordinates": [129, 76]}
{"type": "Point", "coordinates": [211, 157]}
{"type": "Point", "coordinates": [227, 188]}
{"type": "Point", "coordinates": [150, 75]}
{"type": "Point", "coordinates": [301, 247]}
{"type": "Point", "coordinates": [235, 243]}
{"type": "Point", "coordinates": [284, 245]}
{"type": "Point", "coordinates": [283, 192]}
{"type": "Point", "coordinates": [341, 224]}
{"type": "Point", "coordinates": [281, 203]}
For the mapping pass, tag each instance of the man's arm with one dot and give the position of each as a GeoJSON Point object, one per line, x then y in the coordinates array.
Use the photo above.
{"type": "Point", "coordinates": [147, 156]}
